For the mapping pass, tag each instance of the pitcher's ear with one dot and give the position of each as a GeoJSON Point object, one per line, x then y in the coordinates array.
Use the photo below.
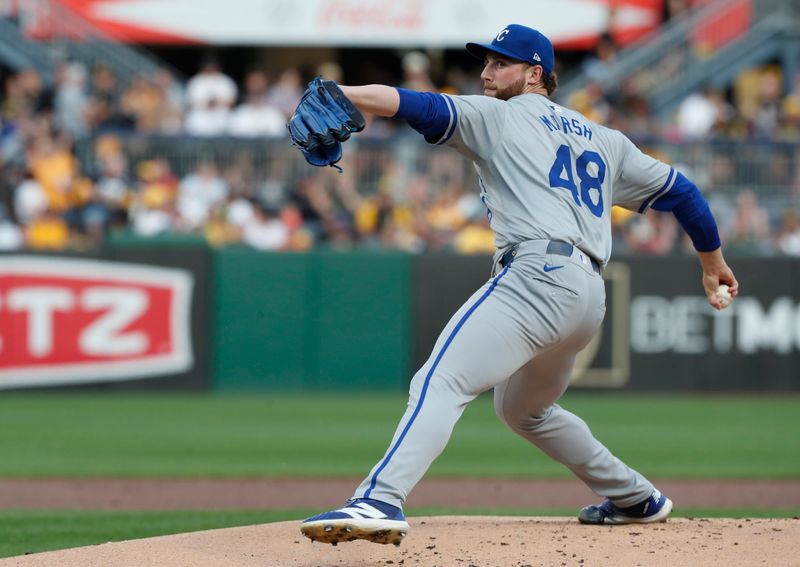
{"type": "Point", "coordinates": [535, 74]}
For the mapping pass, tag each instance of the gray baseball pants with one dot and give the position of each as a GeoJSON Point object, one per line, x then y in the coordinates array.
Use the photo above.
{"type": "Point", "coordinates": [519, 334]}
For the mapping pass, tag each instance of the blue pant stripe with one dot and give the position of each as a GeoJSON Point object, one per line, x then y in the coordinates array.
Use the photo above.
{"type": "Point", "coordinates": [428, 379]}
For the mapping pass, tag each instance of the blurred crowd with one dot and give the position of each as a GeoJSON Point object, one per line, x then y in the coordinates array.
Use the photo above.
{"type": "Point", "coordinates": [756, 109]}
{"type": "Point", "coordinates": [395, 193]}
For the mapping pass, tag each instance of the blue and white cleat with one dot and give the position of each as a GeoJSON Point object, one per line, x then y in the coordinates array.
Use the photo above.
{"type": "Point", "coordinates": [655, 509]}
{"type": "Point", "coordinates": [361, 518]}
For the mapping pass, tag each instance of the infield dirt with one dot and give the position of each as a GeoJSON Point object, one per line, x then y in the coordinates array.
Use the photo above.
{"type": "Point", "coordinates": [445, 541]}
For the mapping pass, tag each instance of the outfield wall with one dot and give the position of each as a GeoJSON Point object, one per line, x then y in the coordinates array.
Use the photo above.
{"type": "Point", "coordinates": [185, 317]}
{"type": "Point", "coordinates": [317, 320]}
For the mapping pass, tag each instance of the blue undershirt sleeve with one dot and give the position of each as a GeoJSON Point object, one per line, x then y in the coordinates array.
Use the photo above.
{"type": "Point", "coordinates": [430, 114]}
{"type": "Point", "coordinates": [691, 209]}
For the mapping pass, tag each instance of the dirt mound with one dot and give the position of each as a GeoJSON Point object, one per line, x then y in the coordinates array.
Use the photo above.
{"type": "Point", "coordinates": [458, 541]}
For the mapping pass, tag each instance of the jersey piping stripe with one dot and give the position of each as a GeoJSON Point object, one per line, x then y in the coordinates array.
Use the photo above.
{"type": "Point", "coordinates": [665, 189]}
{"type": "Point", "coordinates": [449, 340]}
{"type": "Point", "coordinates": [451, 126]}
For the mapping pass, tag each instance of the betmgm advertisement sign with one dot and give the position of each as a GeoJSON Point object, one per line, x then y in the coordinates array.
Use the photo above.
{"type": "Point", "coordinates": [660, 332]}
{"type": "Point", "coordinates": [67, 321]}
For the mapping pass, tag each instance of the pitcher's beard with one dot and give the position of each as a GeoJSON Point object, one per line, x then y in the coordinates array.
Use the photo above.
{"type": "Point", "coordinates": [514, 89]}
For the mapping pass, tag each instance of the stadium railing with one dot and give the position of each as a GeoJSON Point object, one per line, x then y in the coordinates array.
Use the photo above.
{"type": "Point", "coordinates": [45, 33]}
{"type": "Point", "coordinates": [771, 169]}
{"type": "Point", "coordinates": [710, 46]}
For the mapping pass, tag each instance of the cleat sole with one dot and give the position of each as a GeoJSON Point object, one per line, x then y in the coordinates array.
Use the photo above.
{"type": "Point", "coordinates": [333, 532]}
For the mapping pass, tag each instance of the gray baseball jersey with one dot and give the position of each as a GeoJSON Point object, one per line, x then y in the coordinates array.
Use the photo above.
{"type": "Point", "coordinates": [547, 172]}
{"type": "Point", "coordinates": [548, 176]}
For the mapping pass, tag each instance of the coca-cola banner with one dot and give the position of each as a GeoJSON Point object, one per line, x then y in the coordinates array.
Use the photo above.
{"type": "Point", "coordinates": [71, 321]}
{"type": "Point", "coordinates": [426, 23]}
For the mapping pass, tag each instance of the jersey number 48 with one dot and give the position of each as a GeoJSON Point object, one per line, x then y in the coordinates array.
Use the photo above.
{"type": "Point", "coordinates": [561, 176]}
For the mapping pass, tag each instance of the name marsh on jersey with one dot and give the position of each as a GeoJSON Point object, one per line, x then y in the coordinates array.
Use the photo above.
{"type": "Point", "coordinates": [559, 123]}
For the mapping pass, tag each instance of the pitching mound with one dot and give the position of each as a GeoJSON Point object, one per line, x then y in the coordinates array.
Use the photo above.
{"type": "Point", "coordinates": [458, 541]}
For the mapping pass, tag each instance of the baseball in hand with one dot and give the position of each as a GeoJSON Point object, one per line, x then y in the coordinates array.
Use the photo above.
{"type": "Point", "coordinates": [724, 296]}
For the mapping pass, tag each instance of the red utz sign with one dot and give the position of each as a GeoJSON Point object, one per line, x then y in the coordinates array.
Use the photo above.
{"type": "Point", "coordinates": [70, 321]}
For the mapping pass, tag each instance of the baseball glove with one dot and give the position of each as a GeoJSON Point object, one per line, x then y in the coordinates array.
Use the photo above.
{"type": "Point", "coordinates": [322, 121]}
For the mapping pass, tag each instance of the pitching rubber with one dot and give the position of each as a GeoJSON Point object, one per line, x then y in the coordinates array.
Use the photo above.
{"type": "Point", "coordinates": [376, 531]}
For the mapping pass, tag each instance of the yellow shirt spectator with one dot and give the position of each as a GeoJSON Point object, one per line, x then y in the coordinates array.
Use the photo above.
{"type": "Point", "coordinates": [474, 239]}
{"type": "Point", "coordinates": [48, 232]}
{"type": "Point", "coordinates": [55, 171]}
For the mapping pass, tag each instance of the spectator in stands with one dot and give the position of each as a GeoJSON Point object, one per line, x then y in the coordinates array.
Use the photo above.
{"type": "Point", "coordinates": [460, 82]}
{"type": "Point", "coordinates": [373, 213]}
{"type": "Point", "coordinates": [376, 128]}
{"type": "Point", "coordinates": [48, 231]}
{"type": "Point", "coordinates": [265, 230]}
{"type": "Point", "coordinates": [416, 72]}
{"type": "Point", "coordinates": [255, 117]}
{"type": "Point", "coordinates": [11, 236]}
{"type": "Point", "coordinates": [273, 186]}
{"type": "Point", "coordinates": [211, 95]}
{"type": "Point", "coordinates": [211, 86]}
{"type": "Point", "coordinates": [764, 120]}
{"type": "Point", "coordinates": [788, 236]}
{"type": "Point", "coordinates": [30, 199]}
{"type": "Point", "coordinates": [592, 103]}
{"type": "Point", "coordinates": [157, 173]}
{"type": "Point", "coordinates": [91, 218]}
{"type": "Point", "coordinates": [790, 113]}
{"type": "Point", "coordinates": [71, 100]}
{"type": "Point", "coordinates": [208, 121]}
{"type": "Point", "coordinates": [55, 168]}
{"type": "Point", "coordinates": [620, 221]}
{"type": "Point", "coordinates": [143, 102]}
{"type": "Point", "coordinates": [286, 92]}
{"type": "Point", "coordinates": [199, 193]}
{"type": "Point", "coordinates": [475, 237]}
{"type": "Point", "coordinates": [113, 190]}
{"type": "Point", "coordinates": [16, 104]}
{"type": "Point", "coordinates": [413, 233]}
{"type": "Point", "coordinates": [699, 113]}
{"type": "Point", "coordinates": [239, 211]}
{"type": "Point", "coordinates": [331, 71]}
{"type": "Point", "coordinates": [651, 233]}
{"type": "Point", "coordinates": [750, 231]}
{"type": "Point", "coordinates": [35, 98]}
{"type": "Point", "coordinates": [597, 67]}
{"type": "Point", "coordinates": [633, 116]}
{"type": "Point", "coordinates": [172, 101]}
{"type": "Point", "coordinates": [153, 212]}
{"type": "Point", "coordinates": [105, 112]}
{"type": "Point", "coordinates": [445, 216]}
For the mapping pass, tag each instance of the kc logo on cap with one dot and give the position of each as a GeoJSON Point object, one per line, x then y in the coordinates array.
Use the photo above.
{"type": "Point", "coordinates": [521, 43]}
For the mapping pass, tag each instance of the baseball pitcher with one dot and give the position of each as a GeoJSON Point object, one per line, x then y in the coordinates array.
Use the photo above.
{"type": "Point", "coordinates": [548, 177]}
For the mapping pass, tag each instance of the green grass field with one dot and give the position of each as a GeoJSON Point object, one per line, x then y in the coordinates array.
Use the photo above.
{"type": "Point", "coordinates": [234, 436]}
{"type": "Point", "coordinates": [58, 435]}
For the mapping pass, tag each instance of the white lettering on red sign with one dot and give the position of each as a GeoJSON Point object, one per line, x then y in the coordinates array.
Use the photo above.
{"type": "Point", "coordinates": [39, 304]}
{"type": "Point", "coordinates": [69, 321]}
{"type": "Point", "coordinates": [105, 337]}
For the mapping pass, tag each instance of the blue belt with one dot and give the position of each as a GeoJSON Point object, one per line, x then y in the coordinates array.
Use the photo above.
{"type": "Point", "coordinates": [553, 247]}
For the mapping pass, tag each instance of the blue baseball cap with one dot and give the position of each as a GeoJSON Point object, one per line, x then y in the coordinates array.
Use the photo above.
{"type": "Point", "coordinates": [521, 43]}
